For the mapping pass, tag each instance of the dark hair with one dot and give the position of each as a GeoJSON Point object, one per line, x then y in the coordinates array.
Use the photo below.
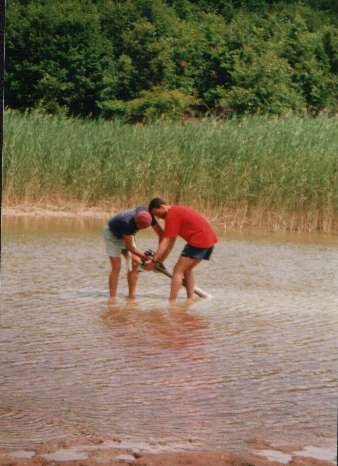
{"type": "Point", "coordinates": [156, 203]}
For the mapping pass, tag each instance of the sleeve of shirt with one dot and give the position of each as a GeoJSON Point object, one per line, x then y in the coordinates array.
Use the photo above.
{"type": "Point", "coordinates": [172, 227]}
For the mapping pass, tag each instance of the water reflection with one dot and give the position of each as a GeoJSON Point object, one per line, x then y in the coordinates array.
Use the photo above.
{"type": "Point", "coordinates": [171, 327]}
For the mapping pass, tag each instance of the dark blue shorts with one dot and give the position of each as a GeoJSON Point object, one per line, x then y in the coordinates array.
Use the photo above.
{"type": "Point", "coordinates": [197, 253]}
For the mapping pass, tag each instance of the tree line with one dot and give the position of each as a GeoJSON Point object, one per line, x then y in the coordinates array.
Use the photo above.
{"type": "Point", "coordinates": [140, 60]}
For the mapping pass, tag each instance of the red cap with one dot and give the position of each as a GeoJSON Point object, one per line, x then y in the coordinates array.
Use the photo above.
{"type": "Point", "coordinates": [143, 219]}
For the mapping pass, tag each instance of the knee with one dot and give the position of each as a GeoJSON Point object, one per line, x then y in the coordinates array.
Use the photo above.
{"type": "Point", "coordinates": [177, 272]}
{"type": "Point", "coordinates": [134, 265]}
{"type": "Point", "coordinates": [115, 269]}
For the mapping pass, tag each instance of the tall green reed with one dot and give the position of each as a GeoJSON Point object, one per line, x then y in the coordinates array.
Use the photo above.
{"type": "Point", "coordinates": [283, 165]}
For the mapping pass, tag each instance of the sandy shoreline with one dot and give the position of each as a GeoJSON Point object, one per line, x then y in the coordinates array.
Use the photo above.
{"type": "Point", "coordinates": [95, 450]}
{"type": "Point", "coordinates": [23, 210]}
{"type": "Point", "coordinates": [227, 220]}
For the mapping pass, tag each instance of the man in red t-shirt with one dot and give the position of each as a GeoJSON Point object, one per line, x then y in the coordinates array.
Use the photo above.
{"type": "Point", "coordinates": [191, 226]}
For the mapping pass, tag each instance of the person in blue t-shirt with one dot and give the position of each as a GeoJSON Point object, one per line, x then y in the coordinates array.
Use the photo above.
{"type": "Point", "coordinates": [119, 239]}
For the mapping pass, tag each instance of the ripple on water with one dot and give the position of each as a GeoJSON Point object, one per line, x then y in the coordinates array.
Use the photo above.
{"type": "Point", "coordinates": [259, 357]}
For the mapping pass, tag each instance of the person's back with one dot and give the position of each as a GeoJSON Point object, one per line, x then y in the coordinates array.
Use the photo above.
{"type": "Point", "coordinates": [124, 223]}
{"type": "Point", "coordinates": [190, 225]}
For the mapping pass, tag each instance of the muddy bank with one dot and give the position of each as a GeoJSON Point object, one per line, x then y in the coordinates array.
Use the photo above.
{"type": "Point", "coordinates": [94, 451]}
{"type": "Point", "coordinates": [226, 220]}
{"type": "Point", "coordinates": [67, 211]}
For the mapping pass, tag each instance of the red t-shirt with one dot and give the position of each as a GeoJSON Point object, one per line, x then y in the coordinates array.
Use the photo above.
{"type": "Point", "coordinates": [190, 225]}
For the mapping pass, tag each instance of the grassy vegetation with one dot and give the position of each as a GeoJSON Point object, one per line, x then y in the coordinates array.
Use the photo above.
{"type": "Point", "coordinates": [277, 173]}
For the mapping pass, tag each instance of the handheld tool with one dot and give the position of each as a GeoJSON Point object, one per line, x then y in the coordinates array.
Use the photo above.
{"type": "Point", "coordinates": [160, 267]}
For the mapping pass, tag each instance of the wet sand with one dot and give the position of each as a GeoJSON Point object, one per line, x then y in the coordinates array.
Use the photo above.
{"type": "Point", "coordinates": [94, 450]}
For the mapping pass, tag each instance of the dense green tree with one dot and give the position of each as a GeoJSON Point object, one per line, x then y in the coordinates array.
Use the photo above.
{"type": "Point", "coordinates": [56, 55]}
{"type": "Point", "coordinates": [168, 57]}
{"type": "Point", "coordinates": [310, 65]}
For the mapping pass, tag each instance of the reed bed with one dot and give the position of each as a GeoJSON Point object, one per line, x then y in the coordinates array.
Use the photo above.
{"type": "Point", "coordinates": [271, 173]}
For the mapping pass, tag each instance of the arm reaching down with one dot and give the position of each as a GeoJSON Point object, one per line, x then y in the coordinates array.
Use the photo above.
{"type": "Point", "coordinates": [159, 231]}
{"type": "Point", "coordinates": [130, 245]}
{"type": "Point", "coordinates": [166, 245]}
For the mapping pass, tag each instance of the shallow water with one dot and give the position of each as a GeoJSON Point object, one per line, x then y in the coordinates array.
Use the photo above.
{"type": "Point", "coordinates": [257, 361]}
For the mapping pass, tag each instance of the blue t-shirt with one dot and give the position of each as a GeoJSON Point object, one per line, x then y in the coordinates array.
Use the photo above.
{"type": "Point", "coordinates": [124, 223]}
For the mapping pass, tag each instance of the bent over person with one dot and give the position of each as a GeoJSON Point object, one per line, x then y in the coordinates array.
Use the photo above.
{"type": "Point", "coordinates": [195, 229]}
{"type": "Point", "coordinates": [119, 239]}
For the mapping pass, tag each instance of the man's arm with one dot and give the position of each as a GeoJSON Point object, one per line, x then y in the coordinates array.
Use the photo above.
{"type": "Point", "coordinates": [130, 244]}
{"type": "Point", "coordinates": [159, 231]}
{"type": "Point", "coordinates": [166, 245]}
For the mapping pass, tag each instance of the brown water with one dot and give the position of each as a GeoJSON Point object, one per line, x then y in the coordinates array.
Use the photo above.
{"type": "Point", "coordinates": [256, 361]}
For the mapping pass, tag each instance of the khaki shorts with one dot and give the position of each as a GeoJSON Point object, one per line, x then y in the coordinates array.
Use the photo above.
{"type": "Point", "coordinates": [114, 245]}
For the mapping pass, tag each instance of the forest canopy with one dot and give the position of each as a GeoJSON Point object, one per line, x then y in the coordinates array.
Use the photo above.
{"type": "Point", "coordinates": [139, 60]}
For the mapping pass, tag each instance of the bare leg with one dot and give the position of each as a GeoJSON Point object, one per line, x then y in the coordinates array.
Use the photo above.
{"type": "Point", "coordinates": [132, 277]}
{"type": "Point", "coordinates": [189, 280]}
{"type": "Point", "coordinates": [182, 266]}
{"type": "Point", "coordinates": [114, 275]}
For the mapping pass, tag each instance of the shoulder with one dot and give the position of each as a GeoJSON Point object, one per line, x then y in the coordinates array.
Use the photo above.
{"type": "Point", "coordinates": [174, 213]}
{"type": "Point", "coordinates": [128, 215]}
{"type": "Point", "coordinates": [177, 210]}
